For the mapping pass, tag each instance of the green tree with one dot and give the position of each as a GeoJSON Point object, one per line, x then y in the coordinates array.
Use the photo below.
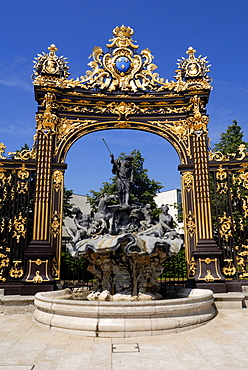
{"type": "Point", "coordinates": [231, 139]}
{"type": "Point", "coordinates": [67, 205]}
{"type": "Point", "coordinates": [143, 190]}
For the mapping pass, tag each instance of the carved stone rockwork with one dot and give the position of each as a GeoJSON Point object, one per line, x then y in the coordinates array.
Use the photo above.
{"type": "Point", "coordinates": [124, 245]}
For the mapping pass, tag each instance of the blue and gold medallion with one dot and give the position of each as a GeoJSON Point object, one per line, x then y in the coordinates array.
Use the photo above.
{"type": "Point", "coordinates": [122, 64]}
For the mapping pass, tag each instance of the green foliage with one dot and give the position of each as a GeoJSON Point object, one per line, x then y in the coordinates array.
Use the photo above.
{"type": "Point", "coordinates": [74, 268]}
{"type": "Point", "coordinates": [231, 139]}
{"type": "Point", "coordinates": [67, 205]}
{"type": "Point", "coordinates": [175, 267]}
{"type": "Point", "coordinates": [143, 190]}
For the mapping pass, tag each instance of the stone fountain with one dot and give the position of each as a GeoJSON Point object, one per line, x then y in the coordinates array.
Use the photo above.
{"type": "Point", "coordinates": [125, 248]}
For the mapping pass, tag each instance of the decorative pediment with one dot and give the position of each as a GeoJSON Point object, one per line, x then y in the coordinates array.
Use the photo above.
{"type": "Point", "coordinates": [122, 69]}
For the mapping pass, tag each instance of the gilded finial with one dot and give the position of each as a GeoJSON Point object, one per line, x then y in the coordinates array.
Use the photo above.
{"type": "Point", "coordinates": [53, 48]}
{"type": "Point", "coordinates": [191, 51]}
{"type": "Point", "coordinates": [123, 31]}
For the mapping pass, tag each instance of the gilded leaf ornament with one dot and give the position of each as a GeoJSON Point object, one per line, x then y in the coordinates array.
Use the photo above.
{"type": "Point", "coordinates": [122, 68]}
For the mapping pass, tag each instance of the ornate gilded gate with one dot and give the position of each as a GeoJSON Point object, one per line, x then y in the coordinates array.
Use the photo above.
{"type": "Point", "coordinates": [120, 91]}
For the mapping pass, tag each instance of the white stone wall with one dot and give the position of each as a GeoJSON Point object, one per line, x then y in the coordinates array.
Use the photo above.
{"type": "Point", "coordinates": [170, 197]}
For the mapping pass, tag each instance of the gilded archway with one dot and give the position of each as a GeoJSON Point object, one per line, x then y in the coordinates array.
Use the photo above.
{"type": "Point", "coordinates": [121, 91]}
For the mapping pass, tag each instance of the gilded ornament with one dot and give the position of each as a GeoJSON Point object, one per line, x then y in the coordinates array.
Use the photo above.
{"type": "Point", "coordinates": [50, 64]}
{"type": "Point", "coordinates": [190, 222]}
{"type": "Point", "coordinates": [25, 154]}
{"type": "Point", "coordinates": [225, 227]}
{"type": "Point", "coordinates": [16, 271]}
{"type": "Point", "coordinates": [2, 150]}
{"type": "Point", "coordinates": [221, 174]}
{"type": "Point", "coordinates": [188, 178]}
{"type": "Point", "coordinates": [38, 261]}
{"type": "Point", "coordinates": [207, 260]}
{"type": "Point", "coordinates": [23, 173]}
{"type": "Point", "coordinates": [209, 278]}
{"type": "Point", "coordinates": [49, 119]}
{"type": "Point", "coordinates": [22, 187]}
{"type": "Point", "coordinates": [57, 180]}
{"type": "Point", "coordinates": [37, 278]}
{"type": "Point", "coordinates": [229, 269]}
{"type": "Point", "coordinates": [2, 225]}
{"type": "Point", "coordinates": [121, 69]}
{"type": "Point", "coordinates": [122, 124]}
{"type": "Point", "coordinates": [122, 109]}
{"type": "Point", "coordinates": [193, 67]}
{"type": "Point", "coordinates": [245, 206]}
{"type": "Point", "coordinates": [18, 227]}
{"type": "Point", "coordinates": [55, 268]}
{"type": "Point", "coordinates": [218, 156]}
{"type": "Point", "coordinates": [192, 267]}
{"type": "Point", "coordinates": [4, 178]}
{"type": "Point", "coordinates": [4, 260]}
{"type": "Point", "coordinates": [55, 224]}
{"type": "Point", "coordinates": [2, 277]}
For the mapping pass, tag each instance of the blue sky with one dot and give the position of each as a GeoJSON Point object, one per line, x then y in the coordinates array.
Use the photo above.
{"type": "Point", "coordinates": [216, 29]}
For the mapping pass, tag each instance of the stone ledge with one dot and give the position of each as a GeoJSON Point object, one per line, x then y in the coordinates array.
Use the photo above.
{"type": "Point", "coordinates": [231, 300]}
{"type": "Point", "coordinates": [16, 304]}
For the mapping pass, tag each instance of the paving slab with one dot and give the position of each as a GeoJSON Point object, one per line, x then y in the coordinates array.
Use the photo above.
{"type": "Point", "coordinates": [220, 344]}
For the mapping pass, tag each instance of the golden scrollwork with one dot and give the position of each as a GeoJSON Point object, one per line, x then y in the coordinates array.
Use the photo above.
{"type": "Point", "coordinates": [48, 120]}
{"type": "Point", "coordinates": [219, 156]}
{"type": "Point", "coordinates": [16, 271]}
{"type": "Point", "coordinates": [23, 173]}
{"type": "Point", "coordinates": [187, 178]}
{"type": "Point", "coordinates": [229, 268]}
{"type": "Point", "coordinates": [242, 178]}
{"type": "Point", "coordinates": [225, 227]}
{"type": "Point", "coordinates": [122, 124]}
{"type": "Point", "coordinates": [25, 154]}
{"type": "Point", "coordinates": [4, 260]}
{"type": "Point", "coordinates": [192, 267]}
{"type": "Point", "coordinates": [122, 109]}
{"type": "Point", "coordinates": [190, 223]}
{"type": "Point", "coordinates": [55, 268]}
{"type": "Point", "coordinates": [55, 224]}
{"type": "Point", "coordinates": [2, 277]}
{"type": "Point", "coordinates": [2, 150]}
{"type": "Point", "coordinates": [57, 180]}
{"type": "Point", "coordinates": [198, 122]}
{"type": "Point", "coordinates": [245, 206]}
{"type": "Point", "coordinates": [5, 178]}
{"type": "Point", "coordinates": [22, 187]}
{"type": "Point", "coordinates": [37, 279]}
{"type": "Point", "coordinates": [2, 224]}
{"type": "Point", "coordinates": [209, 278]}
{"type": "Point", "coordinates": [122, 69]}
{"type": "Point", "coordinates": [221, 174]}
{"type": "Point", "coordinates": [207, 260]}
{"type": "Point", "coordinates": [18, 227]}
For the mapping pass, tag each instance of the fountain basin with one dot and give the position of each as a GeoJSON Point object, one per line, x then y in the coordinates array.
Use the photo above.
{"type": "Point", "coordinates": [123, 319]}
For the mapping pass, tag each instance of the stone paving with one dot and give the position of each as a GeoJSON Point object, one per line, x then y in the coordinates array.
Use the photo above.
{"type": "Point", "coordinates": [220, 344]}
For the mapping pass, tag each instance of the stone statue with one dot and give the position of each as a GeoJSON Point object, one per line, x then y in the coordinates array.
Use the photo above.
{"type": "Point", "coordinates": [82, 223]}
{"type": "Point", "coordinates": [124, 171]}
{"type": "Point", "coordinates": [165, 219]}
{"type": "Point", "coordinates": [124, 245]}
